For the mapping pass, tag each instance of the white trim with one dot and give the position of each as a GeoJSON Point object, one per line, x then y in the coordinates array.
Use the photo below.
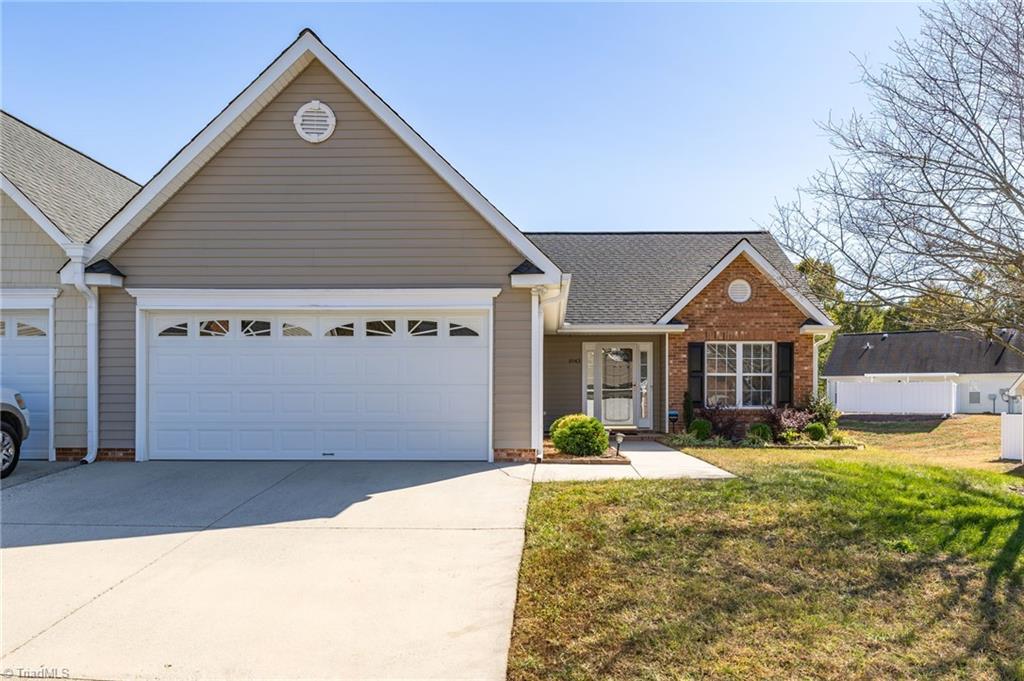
{"type": "Point", "coordinates": [33, 212]}
{"type": "Point", "coordinates": [744, 247]}
{"type": "Point", "coordinates": [332, 121]}
{"type": "Point", "coordinates": [52, 311]}
{"type": "Point", "coordinates": [490, 384]}
{"type": "Point", "coordinates": [738, 375]}
{"type": "Point", "coordinates": [816, 344]}
{"type": "Point", "coordinates": [536, 369]}
{"type": "Point", "coordinates": [664, 406]}
{"type": "Point", "coordinates": [622, 328]}
{"type": "Point", "coordinates": [67, 276]}
{"type": "Point", "coordinates": [307, 42]}
{"type": "Point", "coordinates": [28, 298]}
{"type": "Point", "coordinates": [141, 385]}
{"type": "Point", "coordinates": [313, 299]}
{"type": "Point", "coordinates": [814, 329]}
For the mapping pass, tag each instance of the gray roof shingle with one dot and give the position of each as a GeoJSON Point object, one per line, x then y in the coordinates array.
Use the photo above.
{"type": "Point", "coordinates": [636, 277]}
{"type": "Point", "coordinates": [923, 352]}
{"type": "Point", "coordinates": [75, 192]}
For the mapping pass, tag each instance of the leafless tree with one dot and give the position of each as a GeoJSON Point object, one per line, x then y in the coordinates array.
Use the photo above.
{"type": "Point", "coordinates": [922, 208]}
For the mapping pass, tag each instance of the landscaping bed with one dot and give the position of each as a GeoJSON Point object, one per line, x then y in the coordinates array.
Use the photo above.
{"type": "Point", "coordinates": [552, 455]}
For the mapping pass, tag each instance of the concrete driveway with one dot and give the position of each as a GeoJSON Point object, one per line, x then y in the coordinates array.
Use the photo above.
{"type": "Point", "coordinates": [263, 570]}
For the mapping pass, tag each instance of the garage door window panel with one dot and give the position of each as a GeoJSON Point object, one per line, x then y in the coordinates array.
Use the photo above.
{"type": "Point", "coordinates": [423, 327]}
{"type": "Point", "coordinates": [296, 329]}
{"type": "Point", "coordinates": [462, 329]}
{"type": "Point", "coordinates": [256, 328]}
{"type": "Point", "coordinates": [214, 328]}
{"type": "Point", "coordinates": [380, 328]}
{"type": "Point", "coordinates": [340, 329]}
{"type": "Point", "coordinates": [173, 330]}
{"type": "Point", "coordinates": [26, 330]}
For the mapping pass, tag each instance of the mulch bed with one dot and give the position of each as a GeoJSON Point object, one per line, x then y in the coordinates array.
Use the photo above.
{"type": "Point", "coordinates": [552, 455]}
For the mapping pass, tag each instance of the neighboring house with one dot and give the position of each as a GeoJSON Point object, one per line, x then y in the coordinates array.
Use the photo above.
{"type": "Point", "coordinates": [52, 200]}
{"type": "Point", "coordinates": [924, 372]}
{"type": "Point", "coordinates": [308, 278]}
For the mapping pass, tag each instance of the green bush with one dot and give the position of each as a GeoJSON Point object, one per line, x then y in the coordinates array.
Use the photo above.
{"type": "Point", "coordinates": [700, 429]}
{"type": "Point", "coordinates": [824, 412]}
{"type": "Point", "coordinates": [580, 435]}
{"type": "Point", "coordinates": [789, 436]}
{"type": "Point", "coordinates": [760, 431]}
{"type": "Point", "coordinates": [681, 440]}
{"type": "Point", "coordinates": [687, 409]}
{"type": "Point", "coordinates": [816, 431]}
{"type": "Point", "coordinates": [557, 423]}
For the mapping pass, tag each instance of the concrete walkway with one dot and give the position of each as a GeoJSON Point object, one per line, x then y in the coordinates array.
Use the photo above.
{"type": "Point", "coordinates": [649, 460]}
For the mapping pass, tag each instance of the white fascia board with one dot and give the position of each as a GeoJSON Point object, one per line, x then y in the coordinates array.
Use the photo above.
{"type": "Point", "coordinates": [27, 298]}
{"type": "Point", "coordinates": [1017, 388]}
{"type": "Point", "coordinates": [530, 280]}
{"type": "Point", "coordinates": [33, 212]}
{"type": "Point", "coordinates": [313, 299]}
{"type": "Point", "coordinates": [91, 278]}
{"type": "Point", "coordinates": [819, 328]}
{"type": "Point", "coordinates": [744, 247]}
{"type": "Point", "coordinates": [308, 42]}
{"type": "Point", "coordinates": [622, 328]}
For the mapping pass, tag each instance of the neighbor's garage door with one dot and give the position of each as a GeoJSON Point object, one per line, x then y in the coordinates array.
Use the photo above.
{"type": "Point", "coordinates": [25, 367]}
{"type": "Point", "coordinates": [297, 386]}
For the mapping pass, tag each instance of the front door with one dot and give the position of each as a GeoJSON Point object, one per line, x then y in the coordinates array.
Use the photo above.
{"type": "Point", "coordinates": [616, 382]}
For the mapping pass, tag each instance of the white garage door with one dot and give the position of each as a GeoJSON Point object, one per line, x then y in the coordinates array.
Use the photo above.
{"type": "Point", "coordinates": [25, 367]}
{"type": "Point", "coordinates": [387, 385]}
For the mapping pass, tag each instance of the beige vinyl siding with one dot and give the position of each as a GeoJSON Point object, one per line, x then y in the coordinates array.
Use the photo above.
{"type": "Point", "coordinates": [117, 369]}
{"type": "Point", "coordinates": [359, 210]}
{"type": "Point", "coordinates": [563, 373]}
{"type": "Point", "coordinates": [29, 258]}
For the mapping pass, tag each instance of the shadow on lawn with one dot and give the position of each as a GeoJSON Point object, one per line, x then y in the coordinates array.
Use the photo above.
{"type": "Point", "coordinates": [891, 425]}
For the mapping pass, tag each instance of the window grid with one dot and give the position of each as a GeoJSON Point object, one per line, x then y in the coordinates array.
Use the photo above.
{"type": "Point", "coordinates": [739, 375]}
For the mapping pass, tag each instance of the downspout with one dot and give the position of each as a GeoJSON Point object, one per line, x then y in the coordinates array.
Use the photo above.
{"type": "Point", "coordinates": [818, 342]}
{"type": "Point", "coordinates": [92, 362]}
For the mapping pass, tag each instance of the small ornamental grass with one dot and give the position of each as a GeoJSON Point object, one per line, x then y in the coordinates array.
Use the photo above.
{"type": "Point", "coordinates": [579, 435]}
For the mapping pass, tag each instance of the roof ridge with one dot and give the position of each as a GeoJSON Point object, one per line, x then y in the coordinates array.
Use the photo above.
{"type": "Point", "coordinates": [69, 147]}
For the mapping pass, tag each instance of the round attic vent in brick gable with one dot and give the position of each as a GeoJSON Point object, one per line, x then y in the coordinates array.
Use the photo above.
{"type": "Point", "coordinates": [314, 121]}
{"type": "Point", "coordinates": [739, 290]}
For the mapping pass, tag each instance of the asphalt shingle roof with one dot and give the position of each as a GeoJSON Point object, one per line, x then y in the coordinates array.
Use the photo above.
{"type": "Point", "coordinates": [75, 192]}
{"type": "Point", "coordinates": [923, 352]}
{"type": "Point", "coordinates": [636, 277]}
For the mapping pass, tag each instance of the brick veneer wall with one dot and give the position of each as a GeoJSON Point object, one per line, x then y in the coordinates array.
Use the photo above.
{"type": "Point", "coordinates": [768, 316]}
{"type": "Point", "coordinates": [104, 454]}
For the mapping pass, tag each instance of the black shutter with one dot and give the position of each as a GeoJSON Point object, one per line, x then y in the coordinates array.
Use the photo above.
{"type": "Point", "coordinates": [695, 359]}
{"type": "Point", "coordinates": [784, 374]}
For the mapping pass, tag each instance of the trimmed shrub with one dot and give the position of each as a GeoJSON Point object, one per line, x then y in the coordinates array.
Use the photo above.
{"type": "Point", "coordinates": [816, 431]}
{"type": "Point", "coordinates": [700, 429]}
{"type": "Point", "coordinates": [760, 431]}
{"type": "Point", "coordinates": [580, 435]}
{"type": "Point", "coordinates": [557, 423]}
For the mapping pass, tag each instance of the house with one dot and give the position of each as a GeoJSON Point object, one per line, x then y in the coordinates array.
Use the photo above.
{"type": "Point", "coordinates": [925, 372]}
{"type": "Point", "coordinates": [308, 278]}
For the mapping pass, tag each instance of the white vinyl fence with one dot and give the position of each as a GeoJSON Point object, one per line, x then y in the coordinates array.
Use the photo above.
{"type": "Point", "coordinates": [1013, 437]}
{"type": "Point", "coordinates": [890, 397]}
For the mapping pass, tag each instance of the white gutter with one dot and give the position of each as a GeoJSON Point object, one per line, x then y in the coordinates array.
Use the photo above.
{"type": "Point", "coordinates": [75, 275]}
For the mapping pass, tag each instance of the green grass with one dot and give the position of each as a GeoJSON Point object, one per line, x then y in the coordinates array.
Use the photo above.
{"type": "Point", "coordinates": [820, 565]}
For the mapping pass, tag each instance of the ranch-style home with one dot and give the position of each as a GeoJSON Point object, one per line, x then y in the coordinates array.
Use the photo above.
{"type": "Point", "coordinates": [308, 278]}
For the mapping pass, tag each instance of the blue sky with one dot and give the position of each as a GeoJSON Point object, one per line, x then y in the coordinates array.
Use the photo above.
{"type": "Point", "coordinates": [569, 116]}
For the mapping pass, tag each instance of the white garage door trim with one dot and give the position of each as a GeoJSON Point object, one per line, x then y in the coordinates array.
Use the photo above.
{"type": "Point", "coordinates": [354, 302]}
{"type": "Point", "coordinates": [44, 300]}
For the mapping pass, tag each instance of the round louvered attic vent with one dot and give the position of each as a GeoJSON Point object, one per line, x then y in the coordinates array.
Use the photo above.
{"type": "Point", "coordinates": [739, 291]}
{"type": "Point", "coordinates": [314, 121]}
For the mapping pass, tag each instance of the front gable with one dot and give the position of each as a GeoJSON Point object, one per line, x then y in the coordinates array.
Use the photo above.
{"type": "Point", "coordinates": [370, 202]}
{"type": "Point", "coordinates": [713, 315]}
{"type": "Point", "coordinates": [358, 209]}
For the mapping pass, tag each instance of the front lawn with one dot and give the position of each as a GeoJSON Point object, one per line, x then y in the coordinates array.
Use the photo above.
{"type": "Point", "coordinates": [810, 565]}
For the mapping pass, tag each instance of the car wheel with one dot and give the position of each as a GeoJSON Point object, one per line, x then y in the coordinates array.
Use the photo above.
{"type": "Point", "coordinates": [10, 449]}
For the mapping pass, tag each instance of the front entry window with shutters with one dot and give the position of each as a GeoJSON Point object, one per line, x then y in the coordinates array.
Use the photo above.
{"type": "Point", "coordinates": [739, 374]}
